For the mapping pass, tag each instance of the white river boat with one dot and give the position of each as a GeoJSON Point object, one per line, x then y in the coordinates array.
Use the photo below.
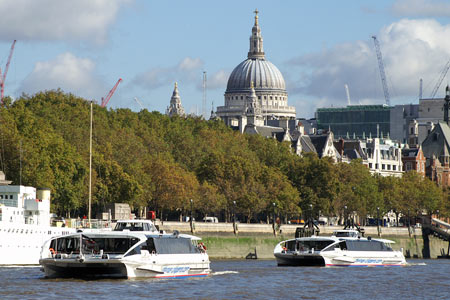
{"type": "Point", "coordinates": [133, 249]}
{"type": "Point", "coordinates": [24, 223]}
{"type": "Point", "coordinates": [344, 248]}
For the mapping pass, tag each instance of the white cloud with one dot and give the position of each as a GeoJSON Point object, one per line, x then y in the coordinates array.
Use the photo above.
{"type": "Point", "coordinates": [48, 20]}
{"type": "Point", "coordinates": [422, 8]}
{"type": "Point", "coordinates": [218, 80]}
{"type": "Point", "coordinates": [411, 49]}
{"type": "Point", "coordinates": [188, 70]}
{"type": "Point", "coordinates": [66, 71]}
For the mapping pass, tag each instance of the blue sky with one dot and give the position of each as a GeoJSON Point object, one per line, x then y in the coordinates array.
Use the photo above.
{"type": "Point", "coordinates": [85, 46]}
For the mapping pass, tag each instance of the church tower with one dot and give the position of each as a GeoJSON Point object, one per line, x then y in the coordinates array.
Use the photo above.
{"type": "Point", "coordinates": [175, 108]}
{"type": "Point", "coordinates": [253, 111]}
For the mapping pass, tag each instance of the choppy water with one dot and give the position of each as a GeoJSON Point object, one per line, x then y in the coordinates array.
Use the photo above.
{"type": "Point", "coordinates": [245, 279]}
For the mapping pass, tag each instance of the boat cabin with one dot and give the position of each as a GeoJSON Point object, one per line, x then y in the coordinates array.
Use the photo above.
{"type": "Point", "coordinates": [135, 225]}
{"type": "Point", "coordinates": [346, 233]}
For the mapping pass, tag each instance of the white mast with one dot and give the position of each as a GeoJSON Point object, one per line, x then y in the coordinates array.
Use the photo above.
{"type": "Point", "coordinates": [90, 167]}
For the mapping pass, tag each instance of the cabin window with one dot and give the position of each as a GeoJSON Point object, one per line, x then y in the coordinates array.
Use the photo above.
{"type": "Point", "coordinates": [366, 245]}
{"type": "Point", "coordinates": [316, 245]}
{"type": "Point", "coordinates": [174, 245]}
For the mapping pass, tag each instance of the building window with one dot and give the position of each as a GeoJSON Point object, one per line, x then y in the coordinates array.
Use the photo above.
{"type": "Point", "coordinates": [389, 167]}
{"type": "Point", "coordinates": [370, 165]}
{"type": "Point", "coordinates": [271, 98]}
{"type": "Point", "coordinates": [259, 97]}
{"type": "Point", "coordinates": [394, 167]}
{"type": "Point", "coordinates": [376, 166]}
{"type": "Point", "coordinates": [242, 97]}
{"type": "Point", "coordinates": [382, 166]}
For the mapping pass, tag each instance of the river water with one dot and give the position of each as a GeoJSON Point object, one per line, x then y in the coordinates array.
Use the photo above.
{"type": "Point", "coordinates": [245, 279]}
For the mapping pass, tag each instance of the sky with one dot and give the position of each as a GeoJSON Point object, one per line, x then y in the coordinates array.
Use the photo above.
{"type": "Point", "coordinates": [84, 46]}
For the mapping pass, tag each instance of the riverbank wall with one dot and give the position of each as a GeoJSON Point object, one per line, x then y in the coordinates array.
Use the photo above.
{"type": "Point", "coordinates": [222, 243]}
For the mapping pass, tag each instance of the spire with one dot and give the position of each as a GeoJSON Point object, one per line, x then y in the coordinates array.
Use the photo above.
{"type": "Point", "coordinates": [256, 41]}
{"type": "Point", "coordinates": [175, 107]}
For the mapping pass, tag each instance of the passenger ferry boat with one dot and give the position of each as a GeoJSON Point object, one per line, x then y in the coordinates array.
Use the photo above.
{"type": "Point", "coordinates": [135, 248]}
{"type": "Point", "coordinates": [343, 248]}
{"type": "Point", "coordinates": [24, 223]}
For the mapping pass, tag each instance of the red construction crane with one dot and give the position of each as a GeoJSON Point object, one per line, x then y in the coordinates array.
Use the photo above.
{"type": "Point", "coordinates": [111, 92]}
{"type": "Point", "coordinates": [3, 78]}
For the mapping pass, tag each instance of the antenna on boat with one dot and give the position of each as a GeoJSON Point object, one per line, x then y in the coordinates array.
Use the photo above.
{"type": "Point", "coordinates": [90, 167]}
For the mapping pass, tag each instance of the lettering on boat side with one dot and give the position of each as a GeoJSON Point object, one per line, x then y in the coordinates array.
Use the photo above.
{"type": "Point", "coordinates": [369, 261]}
{"type": "Point", "coordinates": [174, 270]}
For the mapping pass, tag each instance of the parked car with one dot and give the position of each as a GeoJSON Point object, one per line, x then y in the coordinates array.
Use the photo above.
{"type": "Point", "coordinates": [211, 220]}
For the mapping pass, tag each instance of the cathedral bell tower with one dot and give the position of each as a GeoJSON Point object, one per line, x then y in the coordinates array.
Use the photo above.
{"type": "Point", "coordinates": [253, 109]}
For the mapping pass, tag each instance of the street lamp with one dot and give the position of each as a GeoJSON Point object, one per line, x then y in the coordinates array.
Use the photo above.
{"type": "Point", "coordinates": [345, 216]}
{"type": "Point", "coordinates": [234, 217]}
{"type": "Point", "coordinates": [190, 219]}
{"type": "Point", "coordinates": [378, 221]}
{"type": "Point", "coordinates": [273, 220]}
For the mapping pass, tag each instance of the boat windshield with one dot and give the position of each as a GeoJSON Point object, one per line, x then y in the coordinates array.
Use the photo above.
{"type": "Point", "coordinates": [345, 234]}
{"type": "Point", "coordinates": [317, 245]}
{"type": "Point", "coordinates": [109, 245]}
{"type": "Point", "coordinates": [134, 226]}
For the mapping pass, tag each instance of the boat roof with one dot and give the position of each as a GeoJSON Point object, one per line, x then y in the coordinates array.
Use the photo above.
{"type": "Point", "coordinates": [135, 221]}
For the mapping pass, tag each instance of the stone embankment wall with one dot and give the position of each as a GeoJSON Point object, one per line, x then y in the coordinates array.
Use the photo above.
{"type": "Point", "coordinates": [222, 243]}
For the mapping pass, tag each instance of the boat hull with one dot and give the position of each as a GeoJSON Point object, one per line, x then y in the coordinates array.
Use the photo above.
{"type": "Point", "coordinates": [117, 268]}
{"type": "Point", "coordinates": [287, 259]}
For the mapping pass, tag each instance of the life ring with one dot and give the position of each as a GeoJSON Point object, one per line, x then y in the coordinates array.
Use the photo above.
{"type": "Point", "coordinates": [52, 251]}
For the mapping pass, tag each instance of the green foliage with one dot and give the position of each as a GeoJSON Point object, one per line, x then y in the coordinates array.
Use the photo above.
{"type": "Point", "coordinates": [149, 159]}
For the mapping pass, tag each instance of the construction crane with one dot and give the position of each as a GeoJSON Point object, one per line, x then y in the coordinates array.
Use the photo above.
{"type": "Point", "coordinates": [348, 94]}
{"type": "Point", "coordinates": [111, 92]}
{"type": "Point", "coordinates": [3, 77]}
{"type": "Point", "coordinates": [138, 102]}
{"type": "Point", "coordinates": [382, 73]}
{"type": "Point", "coordinates": [441, 77]}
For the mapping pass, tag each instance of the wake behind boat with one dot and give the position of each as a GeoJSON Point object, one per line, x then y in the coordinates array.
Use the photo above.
{"type": "Point", "coordinates": [133, 249]}
{"type": "Point", "coordinates": [343, 248]}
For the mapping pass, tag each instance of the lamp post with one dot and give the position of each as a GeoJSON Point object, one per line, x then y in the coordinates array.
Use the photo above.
{"type": "Point", "coordinates": [190, 218]}
{"type": "Point", "coordinates": [378, 221]}
{"type": "Point", "coordinates": [234, 218]}
{"type": "Point", "coordinates": [273, 220]}
{"type": "Point", "coordinates": [345, 216]}
{"type": "Point", "coordinates": [409, 224]}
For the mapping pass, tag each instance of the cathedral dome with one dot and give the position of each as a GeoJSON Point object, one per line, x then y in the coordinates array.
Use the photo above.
{"type": "Point", "coordinates": [263, 74]}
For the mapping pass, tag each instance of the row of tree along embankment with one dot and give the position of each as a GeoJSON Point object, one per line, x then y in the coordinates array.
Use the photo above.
{"type": "Point", "coordinates": [222, 243]}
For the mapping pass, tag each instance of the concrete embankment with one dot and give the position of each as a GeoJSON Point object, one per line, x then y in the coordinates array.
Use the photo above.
{"type": "Point", "coordinates": [222, 243]}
